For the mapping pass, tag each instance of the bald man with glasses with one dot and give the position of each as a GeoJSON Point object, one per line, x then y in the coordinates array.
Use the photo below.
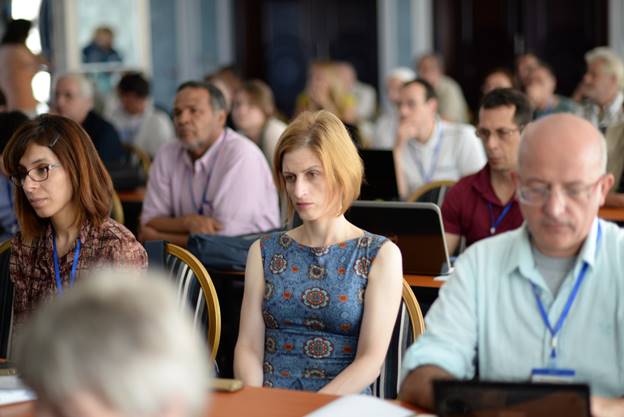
{"type": "Point", "coordinates": [543, 300]}
{"type": "Point", "coordinates": [484, 204]}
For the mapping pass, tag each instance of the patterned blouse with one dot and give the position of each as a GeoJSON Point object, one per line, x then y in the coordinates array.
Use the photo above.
{"type": "Point", "coordinates": [312, 308]}
{"type": "Point", "coordinates": [32, 265]}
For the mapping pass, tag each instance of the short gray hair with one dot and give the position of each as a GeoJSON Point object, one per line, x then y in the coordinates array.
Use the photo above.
{"type": "Point", "coordinates": [216, 97]}
{"type": "Point", "coordinates": [85, 85]}
{"type": "Point", "coordinates": [612, 62]}
{"type": "Point", "coordinates": [121, 337]}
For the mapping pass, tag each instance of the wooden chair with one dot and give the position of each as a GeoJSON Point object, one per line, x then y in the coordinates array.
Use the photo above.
{"type": "Point", "coordinates": [6, 299]}
{"type": "Point", "coordinates": [195, 289]}
{"type": "Point", "coordinates": [433, 192]}
{"type": "Point", "coordinates": [117, 212]}
{"type": "Point", "coordinates": [409, 325]}
{"type": "Point", "coordinates": [140, 156]}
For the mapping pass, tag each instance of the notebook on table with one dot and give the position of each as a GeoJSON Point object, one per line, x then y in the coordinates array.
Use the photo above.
{"type": "Point", "coordinates": [493, 399]}
{"type": "Point", "coordinates": [416, 228]}
{"type": "Point", "coordinates": [379, 175]}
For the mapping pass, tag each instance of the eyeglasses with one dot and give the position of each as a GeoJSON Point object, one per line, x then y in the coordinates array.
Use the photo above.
{"type": "Point", "coordinates": [538, 194]}
{"type": "Point", "coordinates": [502, 133]}
{"type": "Point", "coordinates": [37, 174]}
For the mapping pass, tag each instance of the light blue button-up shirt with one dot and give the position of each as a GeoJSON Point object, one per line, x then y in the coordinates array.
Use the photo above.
{"type": "Point", "coordinates": [487, 312]}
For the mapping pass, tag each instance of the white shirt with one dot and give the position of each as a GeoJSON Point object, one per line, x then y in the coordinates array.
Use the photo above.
{"type": "Point", "coordinates": [147, 131]}
{"type": "Point", "coordinates": [452, 152]}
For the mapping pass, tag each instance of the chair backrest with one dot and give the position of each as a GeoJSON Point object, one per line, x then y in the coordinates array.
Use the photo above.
{"type": "Point", "coordinates": [117, 212]}
{"type": "Point", "coordinates": [195, 289]}
{"type": "Point", "coordinates": [433, 192]}
{"type": "Point", "coordinates": [6, 299]}
{"type": "Point", "coordinates": [409, 325]}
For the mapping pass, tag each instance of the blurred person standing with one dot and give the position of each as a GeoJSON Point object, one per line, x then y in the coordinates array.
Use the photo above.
{"type": "Point", "coordinates": [18, 66]}
{"type": "Point", "coordinates": [9, 123]}
{"type": "Point", "coordinates": [101, 49]}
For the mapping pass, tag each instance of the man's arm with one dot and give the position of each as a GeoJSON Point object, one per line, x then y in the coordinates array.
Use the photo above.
{"type": "Point", "coordinates": [177, 229]}
{"type": "Point", "coordinates": [149, 233]}
{"type": "Point", "coordinates": [417, 387]}
{"type": "Point", "coordinates": [607, 407]}
{"type": "Point", "coordinates": [452, 242]}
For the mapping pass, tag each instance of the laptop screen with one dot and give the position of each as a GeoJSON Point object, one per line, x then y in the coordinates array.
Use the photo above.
{"type": "Point", "coordinates": [492, 399]}
{"type": "Point", "coordinates": [416, 228]}
{"type": "Point", "coordinates": [379, 175]}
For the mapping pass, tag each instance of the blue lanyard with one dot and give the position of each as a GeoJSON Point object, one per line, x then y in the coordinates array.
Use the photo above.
{"type": "Point", "coordinates": [200, 209]}
{"type": "Point", "coordinates": [554, 331]}
{"type": "Point", "coordinates": [427, 176]}
{"type": "Point", "coordinates": [494, 224]}
{"type": "Point", "coordinates": [57, 269]}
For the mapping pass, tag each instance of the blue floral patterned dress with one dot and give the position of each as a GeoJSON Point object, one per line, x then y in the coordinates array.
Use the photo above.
{"type": "Point", "coordinates": [312, 308]}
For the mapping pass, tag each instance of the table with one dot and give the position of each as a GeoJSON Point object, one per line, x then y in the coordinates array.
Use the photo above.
{"type": "Point", "coordinates": [249, 402]}
{"type": "Point", "coordinates": [615, 214]}
{"type": "Point", "coordinates": [132, 196]}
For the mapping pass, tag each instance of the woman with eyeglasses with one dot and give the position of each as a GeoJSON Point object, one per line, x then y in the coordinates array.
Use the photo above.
{"type": "Point", "coordinates": [62, 203]}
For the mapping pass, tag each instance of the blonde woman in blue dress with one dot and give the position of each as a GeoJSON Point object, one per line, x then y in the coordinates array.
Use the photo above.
{"type": "Point", "coordinates": [321, 299]}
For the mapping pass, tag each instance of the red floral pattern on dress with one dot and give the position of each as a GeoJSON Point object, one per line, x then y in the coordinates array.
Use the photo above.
{"type": "Point", "coordinates": [361, 266]}
{"type": "Point", "coordinates": [318, 348]}
{"type": "Point", "coordinates": [365, 242]}
{"type": "Point", "coordinates": [315, 298]}
{"type": "Point", "coordinates": [316, 272]}
{"type": "Point", "coordinates": [278, 264]}
{"type": "Point", "coordinates": [268, 290]}
{"type": "Point", "coordinates": [314, 324]}
{"type": "Point", "coordinates": [285, 240]}
{"type": "Point", "coordinates": [269, 320]}
{"type": "Point", "coordinates": [270, 345]}
{"type": "Point", "coordinates": [324, 250]}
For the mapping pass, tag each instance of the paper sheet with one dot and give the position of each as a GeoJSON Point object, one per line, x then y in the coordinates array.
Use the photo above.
{"type": "Point", "coordinates": [13, 391]}
{"type": "Point", "coordinates": [362, 406]}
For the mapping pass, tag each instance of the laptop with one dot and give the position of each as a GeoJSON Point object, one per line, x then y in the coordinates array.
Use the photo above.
{"type": "Point", "coordinates": [379, 175]}
{"type": "Point", "coordinates": [493, 399]}
{"type": "Point", "coordinates": [415, 227]}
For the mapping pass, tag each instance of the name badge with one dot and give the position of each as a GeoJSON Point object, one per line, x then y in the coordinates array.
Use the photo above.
{"type": "Point", "coordinates": [552, 375]}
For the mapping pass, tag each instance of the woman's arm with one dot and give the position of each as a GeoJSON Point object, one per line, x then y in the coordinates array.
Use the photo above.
{"type": "Point", "coordinates": [249, 351]}
{"type": "Point", "coordinates": [381, 305]}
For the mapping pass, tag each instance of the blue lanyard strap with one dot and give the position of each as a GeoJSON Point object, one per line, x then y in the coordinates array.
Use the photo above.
{"type": "Point", "coordinates": [57, 269]}
{"type": "Point", "coordinates": [428, 176]}
{"type": "Point", "coordinates": [200, 208]}
{"type": "Point", "coordinates": [554, 331]}
{"type": "Point", "coordinates": [494, 224]}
